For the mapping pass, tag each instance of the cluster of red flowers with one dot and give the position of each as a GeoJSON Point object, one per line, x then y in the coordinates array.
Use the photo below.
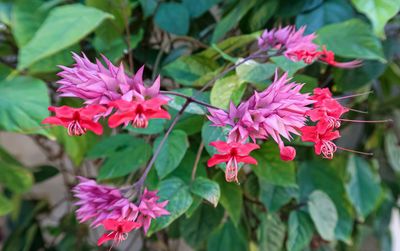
{"type": "Point", "coordinates": [326, 113]}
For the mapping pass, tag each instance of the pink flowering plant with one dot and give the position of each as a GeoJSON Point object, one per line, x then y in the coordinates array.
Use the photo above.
{"type": "Point", "coordinates": [215, 125]}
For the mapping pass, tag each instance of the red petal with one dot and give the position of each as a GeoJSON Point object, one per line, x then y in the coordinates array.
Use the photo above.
{"type": "Point", "coordinates": [245, 149]}
{"type": "Point", "coordinates": [155, 103]}
{"type": "Point", "coordinates": [123, 105]}
{"type": "Point", "coordinates": [63, 111]}
{"type": "Point", "coordinates": [246, 159]}
{"type": "Point", "coordinates": [129, 226]}
{"type": "Point", "coordinates": [221, 146]}
{"type": "Point", "coordinates": [111, 224]}
{"type": "Point", "coordinates": [120, 118]}
{"type": "Point", "coordinates": [106, 237]}
{"type": "Point", "coordinates": [158, 114]}
{"type": "Point", "coordinates": [97, 128]}
{"type": "Point", "coordinates": [54, 121]}
{"type": "Point", "coordinates": [90, 111]}
{"type": "Point", "coordinates": [217, 159]}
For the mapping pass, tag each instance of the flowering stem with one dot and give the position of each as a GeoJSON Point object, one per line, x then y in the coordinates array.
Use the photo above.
{"type": "Point", "coordinates": [196, 161]}
{"type": "Point", "coordinates": [189, 98]}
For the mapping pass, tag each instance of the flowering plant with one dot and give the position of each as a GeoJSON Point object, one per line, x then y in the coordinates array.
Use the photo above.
{"type": "Point", "coordinates": [265, 138]}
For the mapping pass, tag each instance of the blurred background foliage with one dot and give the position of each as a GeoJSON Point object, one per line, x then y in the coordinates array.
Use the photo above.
{"type": "Point", "coordinates": [308, 204]}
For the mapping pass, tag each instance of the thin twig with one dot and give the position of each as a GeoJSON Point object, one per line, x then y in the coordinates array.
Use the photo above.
{"type": "Point", "coordinates": [128, 39]}
{"type": "Point", "coordinates": [196, 161]}
{"type": "Point", "coordinates": [189, 98]}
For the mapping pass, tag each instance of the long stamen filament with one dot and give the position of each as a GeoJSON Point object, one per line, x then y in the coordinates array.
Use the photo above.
{"type": "Point", "coordinates": [355, 110]}
{"type": "Point", "coordinates": [367, 121]}
{"type": "Point", "coordinates": [354, 95]}
{"type": "Point", "coordinates": [354, 151]}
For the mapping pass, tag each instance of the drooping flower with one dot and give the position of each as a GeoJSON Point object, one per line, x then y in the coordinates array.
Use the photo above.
{"type": "Point", "coordinates": [119, 231]}
{"type": "Point", "coordinates": [150, 208]}
{"type": "Point", "coordinates": [100, 202]}
{"type": "Point", "coordinates": [329, 58]}
{"type": "Point", "coordinates": [322, 140]}
{"type": "Point", "coordinates": [137, 112]}
{"type": "Point", "coordinates": [327, 113]}
{"type": "Point", "coordinates": [232, 154]}
{"type": "Point", "coordinates": [76, 120]}
{"type": "Point", "coordinates": [97, 84]}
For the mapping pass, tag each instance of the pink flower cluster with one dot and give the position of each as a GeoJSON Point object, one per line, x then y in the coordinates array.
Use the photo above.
{"type": "Point", "coordinates": [279, 111]}
{"type": "Point", "coordinates": [299, 47]}
{"type": "Point", "coordinates": [104, 89]}
{"type": "Point", "coordinates": [102, 203]}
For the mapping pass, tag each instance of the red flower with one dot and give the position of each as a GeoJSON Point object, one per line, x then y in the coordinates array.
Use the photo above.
{"type": "Point", "coordinates": [77, 120]}
{"type": "Point", "coordinates": [329, 58]}
{"type": "Point", "coordinates": [137, 112]}
{"type": "Point", "coordinates": [320, 94]}
{"type": "Point", "coordinates": [232, 153]}
{"type": "Point", "coordinates": [322, 140]}
{"type": "Point", "coordinates": [119, 230]}
{"type": "Point", "coordinates": [328, 113]}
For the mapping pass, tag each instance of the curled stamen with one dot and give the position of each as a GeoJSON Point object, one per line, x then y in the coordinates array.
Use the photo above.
{"type": "Point", "coordinates": [328, 149]}
{"type": "Point", "coordinates": [354, 95]}
{"type": "Point", "coordinates": [354, 151]}
{"type": "Point", "coordinates": [75, 129]}
{"type": "Point", "coordinates": [140, 121]}
{"type": "Point", "coordinates": [231, 170]}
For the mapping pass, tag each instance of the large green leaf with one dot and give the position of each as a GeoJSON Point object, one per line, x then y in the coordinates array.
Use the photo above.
{"type": "Point", "coordinates": [323, 213]}
{"type": "Point", "coordinates": [255, 72]}
{"type": "Point", "coordinates": [328, 12]}
{"type": "Point", "coordinates": [171, 153]}
{"type": "Point", "coordinates": [13, 175]}
{"type": "Point", "coordinates": [206, 189]}
{"type": "Point", "coordinates": [23, 105]}
{"type": "Point", "coordinates": [225, 90]}
{"type": "Point", "coordinates": [124, 154]}
{"type": "Point", "coordinates": [271, 168]}
{"type": "Point", "coordinates": [177, 193]}
{"type": "Point", "coordinates": [271, 232]}
{"type": "Point", "coordinates": [65, 26]}
{"type": "Point", "coordinates": [27, 16]}
{"type": "Point", "coordinates": [378, 11]}
{"type": "Point", "coordinates": [177, 102]}
{"type": "Point", "coordinates": [274, 197]}
{"type": "Point", "coordinates": [227, 237]}
{"type": "Point", "coordinates": [186, 70]}
{"type": "Point", "coordinates": [300, 231]}
{"type": "Point", "coordinates": [392, 149]}
{"type": "Point", "coordinates": [173, 17]}
{"type": "Point", "coordinates": [5, 205]}
{"type": "Point", "coordinates": [197, 229]}
{"type": "Point", "coordinates": [231, 198]}
{"type": "Point", "coordinates": [351, 39]}
{"type": "Point", "coordinates": [364, 188]}
{"type": "Point", "coordinates": [197, 8]}
{"type": "Point", "coordinates": [288, 65]}
{"type": "Point", "coordinates": [231, 19]}
{"type": "Point", "coordinates": [322, 175]}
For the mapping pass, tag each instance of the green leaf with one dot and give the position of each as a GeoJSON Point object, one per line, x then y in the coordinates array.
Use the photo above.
{"type": "Point", "coordinates": [392, 149]}
{"type": "Point", "coordinates": [186, 70]}
{"type": "Point", "coordinates": [173, 18]}
{"type": "Point", "coordinates": [328, 12]}
{"type": "Point", "coordinates": [59, 31]}
{"type": "Point", "coordinates": [198, 8]}
{"type": "Point", "coordinates": [44, 172]}
{"type": "Point", "coordinates": [148, 6]}
{"type": "Point", "coordinates": [206, 189]}
{"type": "Point", "coordinates": [212, 133]}
{"type": "Point", "coordinates": [378, 11]}
{"type": "Point", "coordinates": [351, 39]}
{"type": "Point", "coordinates": [197, 229]}
{"type": "Point", "coordinates": [231, 198]}
{"type": "Point", "coordinates": [225, 89]}
{"type": "Point", "coordinates": [259, 16]}
{"type": "Point", "coordinates": [5, 205]}
{"type": "Point", "coordinates": [300, 231]}
{"type": "Point", "coordinates": [177, 102]}
{"type": "Point", "coordinates": [325, 176]}
{"type": "Point", "coordinates": [231, 19]}
{"type": "Point", "coordinates": [50, 64]}
{"type": "Point", "coordinates": [274, 197]}
{"type": "Point", "coordinates": [227, 237]}
{"type": "Point", "coordinates": [177, 193]}
{"type": "Point", "coordinates": [254, 72]}
{"type": "Point", "coordinates": [271, 232]}
{"type": "Point", "coordinates": [107, 146]}
{"type": "Point", "coordinates": [288, 65]}
{"type": "Point", "coordinates": [171, 153]}
{"type": "Point", "coordinates": [27, 16]}
{"type": "Point", "coordinates": [126, 159]}
{"type": "Point", "coordinates": [323, 213]}
{"type": "Point", "coordinates": [364, 188]}
{"type": "Point", "coordinates": [271, 168]}
{"type": "Point", "coordinates": [185, 168]}
{"type": "Point", "coordinates": [23, 105]}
